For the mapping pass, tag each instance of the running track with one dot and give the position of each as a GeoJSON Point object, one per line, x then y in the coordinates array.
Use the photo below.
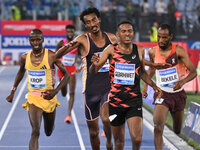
{"type": "Point", "coordinates": [15, 129]}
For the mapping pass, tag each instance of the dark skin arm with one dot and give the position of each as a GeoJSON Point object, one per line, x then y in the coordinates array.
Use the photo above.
{"type": "Point", "coordinates": [18, 78]}
{"type": "Point", "coordinates": [98, 62]}
{"type": "Point", "coordinates": [52, 60]}
{"type": "Point", "coordinates": [184, 59]}
{"type": "Point", "coordinates": [150, 72]}
{"type": "Point", "coordinates": [59, 45]}
{"type": "Point", "coordinates": [144, 76]}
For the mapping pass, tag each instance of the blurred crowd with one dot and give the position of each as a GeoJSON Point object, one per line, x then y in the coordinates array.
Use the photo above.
{"type": "Point", "coordinates": [183, 15]}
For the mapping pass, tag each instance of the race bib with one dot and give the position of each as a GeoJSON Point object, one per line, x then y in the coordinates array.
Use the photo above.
{"type": "Point", "coordinates": [124, 74]}
{"type": "Point", "coordinates": [68, 59]}
{"type": "Point", "coordinates": [106, 66]}
{"type": "Point", "coordinates": [168, 77]}
{"type": "Point", "coordinates": [159, 100]}
{"type": "Point", "coordinates": [37, 79]}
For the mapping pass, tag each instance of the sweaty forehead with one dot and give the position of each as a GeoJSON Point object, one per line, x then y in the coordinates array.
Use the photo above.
{"type": "Point", "coordinates": [89, 16]}
{"type": "Point", "coordinates": [125, 27]}
{"type": "Point", "coordinates": [163, 31]}
{"type": "Point", "coordinates": [33, 34]}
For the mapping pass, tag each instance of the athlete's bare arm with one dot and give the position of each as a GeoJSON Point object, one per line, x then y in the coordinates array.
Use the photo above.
{"type": "Point", "coordinates": [151, 70]}
{"type": "Point", "coordinates": [59, 45]}
{"type": "Point", "coordinates": [80, 41]}
{"type": "Point", "coordinates": [53, 60]}
{"type": "Point", "coordinates": [144, 76]}
{"type": "Point", "coordinates": [18, 78]}
{"type": "Point", "coordinates": [183, 58]}
{"type": "Point", "coordinates": [113, 38]}
{"type": "Point", "coordinates": [98, 62]}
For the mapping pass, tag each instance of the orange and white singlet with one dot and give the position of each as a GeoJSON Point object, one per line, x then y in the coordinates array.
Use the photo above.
{"type": "Point", "coordinates": [166, 78]}
{"type": "Point", "coordinates": [40, 78]}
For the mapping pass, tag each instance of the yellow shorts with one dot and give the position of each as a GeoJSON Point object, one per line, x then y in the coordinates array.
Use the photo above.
{"type": "Point", "coordinates": [46, 105]}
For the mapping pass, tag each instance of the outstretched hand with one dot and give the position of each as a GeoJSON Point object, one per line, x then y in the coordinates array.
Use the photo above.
{"type": "Point", "coordinates": [95, 59]}
{"type": "Point", "coordinates": [162, 65]}
{"type": "Point", "coordinates": [178, 85]}
{"type": "Point", "coordinates": [77, 71]}
{"type": "Point", "coordinates": [10, 97]}
{"type": "Point", "coordinates": [158, 91]}
{"type": "Point", "coordinates": [49, 94]}
{"type": "Point", "coordinates": [144, 93]}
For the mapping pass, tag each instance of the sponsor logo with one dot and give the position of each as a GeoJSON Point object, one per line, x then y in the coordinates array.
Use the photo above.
{"type": "Point", "coordinates": [112, 117]}
{"type": "Point", "coordinates": [195, 45]}
{"type": "Point", "coordinates": [23, 41]}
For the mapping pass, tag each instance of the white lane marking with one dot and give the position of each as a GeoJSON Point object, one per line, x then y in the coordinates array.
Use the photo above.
{"type": "Point", "coordinates": [2, 68]}
{"type": "Point", "coordinates": [80, 139]}
{"type": "Point", "coordinates": [165, 140]}
{"type": "Point", "coordinates": [87, 146]}
{"type": "Point", "coordinates": [12, 110]}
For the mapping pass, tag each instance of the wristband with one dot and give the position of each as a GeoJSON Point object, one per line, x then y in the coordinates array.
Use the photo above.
{"type": "Point", "coordinates": [13, 88]}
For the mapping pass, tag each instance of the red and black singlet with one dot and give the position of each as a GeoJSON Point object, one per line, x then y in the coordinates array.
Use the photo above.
{"type": "Point", "coordinates": [125, 70]}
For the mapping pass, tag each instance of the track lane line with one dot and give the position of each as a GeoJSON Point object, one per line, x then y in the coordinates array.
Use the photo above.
{"type": "Point", "coordinates": [12, 110]}
{"type": "Point", "coordinates": [80, 139]}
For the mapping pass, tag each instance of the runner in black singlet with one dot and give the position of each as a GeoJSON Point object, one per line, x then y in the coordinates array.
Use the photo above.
{"type": "Point", "coordinates": [95, 86]}
{"type": "Point", "coordinates": [125, 98]}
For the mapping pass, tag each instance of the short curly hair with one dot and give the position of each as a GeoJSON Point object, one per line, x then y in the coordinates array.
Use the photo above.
{"type": "Point", "coordinates": [88, 11]}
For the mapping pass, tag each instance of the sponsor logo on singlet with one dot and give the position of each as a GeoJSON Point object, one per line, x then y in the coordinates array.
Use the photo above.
{"type": "Point", "coordinates": [37, 79]}
{"type": "Point", "coordinates": [124, 74]}
{"type": "Point", "coordinates": [68, 59]}
{"type": "Point", "coordinates": [168, 77]}
{"type": "Point", "coordinates": [106, 66]}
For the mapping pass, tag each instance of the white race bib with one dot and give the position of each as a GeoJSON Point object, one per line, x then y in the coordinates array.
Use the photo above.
{"type": "Point", "coordinates": [106, 66]}
{"type": "Point", "coordinates": [37, 79]}
{"type": "Point", "coordinates": [68, 59]}
{"type": "Point", "coordinates": [168, 77]}
{"type": "Point", "coordinates": [124, 74]}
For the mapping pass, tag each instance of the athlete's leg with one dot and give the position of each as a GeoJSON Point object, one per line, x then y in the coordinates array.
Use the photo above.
{"type": "Point", "coordinates": [72, 86]}
{"type": "Point", "coordinates": [49, 119]}
{"type": "Point", "coordinates": [35, 117]}
{"type": "Point", "coordinates": [119, 135]}
{"type": "Point", "coordinates": [135, 130]}
{"type": "Point", "coordinates": [159, 118]}
{"type": "Point", "coordinates": [93, 126]}
{"type": "Point", "coordinates": [177, 121]}
{"type": "Point", "coordinates": [104, 113]}
{"type": "Point", "coordinates": [64, 88]}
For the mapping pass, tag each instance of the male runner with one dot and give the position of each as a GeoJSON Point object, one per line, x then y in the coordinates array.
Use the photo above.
{"type": "Point", "coordinates": [171, 81]}
{"type": "Point", "coordinates": [95, 86]}
{"type": "Point", "coordinates": [69, 61]}
{"type": "Point", "coordinates": [42, 101]}
{"type": "Point", "coordinates": [125, 98]}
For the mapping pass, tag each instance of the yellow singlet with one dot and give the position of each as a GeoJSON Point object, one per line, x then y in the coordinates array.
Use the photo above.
{"type": "Point", "coordinates": [40, 78]}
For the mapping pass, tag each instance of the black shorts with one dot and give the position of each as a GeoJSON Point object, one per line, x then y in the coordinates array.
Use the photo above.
{"type": "Point", "coordinates": [118, 115]}
{"type": "Point", "coordinates": [93, 104]}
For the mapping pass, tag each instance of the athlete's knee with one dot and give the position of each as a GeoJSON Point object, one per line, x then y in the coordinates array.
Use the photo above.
{"type": "Point", "coordinates": [35, 132]}
{"type": "Point", "coordinates": [158, 128]}
{"type": "Point", "coordinates": [105, 121]}
{"type": "Point", "coordinates": [94, 133]}
{"type": "Point", "coordinates": [71, 93]}
{"type": "Point", "coordinates": [119, 142]}
{"type": "Point", "coordinates": [137, 140]}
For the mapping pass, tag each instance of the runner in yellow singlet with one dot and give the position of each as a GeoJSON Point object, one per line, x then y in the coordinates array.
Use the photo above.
{"type": "Point", "coordinates": [42, 101]}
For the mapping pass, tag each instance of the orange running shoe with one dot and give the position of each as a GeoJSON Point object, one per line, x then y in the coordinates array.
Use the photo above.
{"type": "Point", "coordinates": [68, 119]}
{"type": "Point", "coordinates": [103, 134]}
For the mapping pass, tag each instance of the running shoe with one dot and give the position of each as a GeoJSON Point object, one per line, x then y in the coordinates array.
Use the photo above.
{"type": "Point", "coordinates": [68, 119]}
{"type": "Point", "coordinates": [103, 134]}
